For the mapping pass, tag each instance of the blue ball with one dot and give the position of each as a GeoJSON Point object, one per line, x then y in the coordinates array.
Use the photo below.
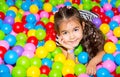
{"type": "Point", "coordinates": [4, 70]}
{"type": "Point", "coordinates": [39, 27]}
{"type": "Point", "coordinates": [47, 62]}
{"type": "Point", "coordinates": [1, 22]}
{"type": "Point", "coordinates": [113, 25]}
{"type": "Point", "coordinates": [117, 47]}
{"type": "Point", "coordinates": [25, 6]}
{"type": "Point", "coordinates": [109, 13]}
{"type": "Point", "coordinates": [31, 18]}
{"type": "Point", "coordinates": [67, 3]}
{"type": "Point", "coordinates": [10, 13]}
{"type": "Point", "coordinates": [113, 2]}
{"type": "Point", "coordinates": [108, 57]}
{"type": "Point", "coordinates": [54, 9]}
{"type": "Point", "coordinates": [10, 2]}
{"type": "Point", "coordinates": [6, 28]}
{"type": "Point", "coordinates": [102, 72]}
{"type": "Point", "coordinates": [41, 43]}
{"type": "Point", "coordinates": [83, 57]}
{"type": "Point", "coordinates": [10, 57]}
{"type": "Point", "coordinates": [29, 26]}
{"type": "Point", "coordinates": [117, 59]}
{"type": "Point", "coordinates": [11, 39]}
{"type": "Point", "coordinates": [103, 2]}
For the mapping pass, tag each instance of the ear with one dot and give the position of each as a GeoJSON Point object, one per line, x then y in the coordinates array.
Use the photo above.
{"type": "Point", "coordinates": [83, 25]}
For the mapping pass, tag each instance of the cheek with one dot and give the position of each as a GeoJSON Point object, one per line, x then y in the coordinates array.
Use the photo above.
{"type": "Point", "coordinates": [65, 37]}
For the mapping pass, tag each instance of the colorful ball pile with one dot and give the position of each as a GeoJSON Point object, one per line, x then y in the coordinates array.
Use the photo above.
{"type": "Point", "coordinates": [27, 39]}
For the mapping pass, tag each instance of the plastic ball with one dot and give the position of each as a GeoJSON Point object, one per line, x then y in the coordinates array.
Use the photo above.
{"type": "Point", "coordinates": [118, 47]}
{"type": "Point", "coordinates": [21, 37]}
{"type": "Point", "coordinates": [31, 32]}
{"type": "Point", "coordinates": [41, 43]}
{"type": "Point", "coordinates": [49, 26]}
{"type": "Point", "coordinates": [117, 59]}
{"type": "Point", "coordinates": [10, 57]}
{"type": "Point", "coordinates": [44, 69]}
{"type": "Point", "coordinates": [13, 8]}
{"type": "Point", "coordinates": [83, 57]}
{"type": "Point", "coordinates": [2, 52]}
{"type": "Point", "coordinates": [97, 22]}
{"type": "Point", "coordinates": [57, 65]}
{"type": "Point", "coordinates": [55, 73]}
{"type": "Point", "coordinates": [109, 13]}
{"type": "Point", "coordinates": [10, 67]}
{"type": "Point", "coordinates": [67, 70]}
{"type": "Point", "coordinates": [4, 44]}
{"type": "Point", "coordinates": [6, 28]}
{"type": "Point", "coordinates": [53, 2]}
{"type": "Point", "coordinates": [30, 47]}
{"type": "Point", "coordinates": [115, 10]}
{"type": "Point", "coordinates": [45, 20]}
{"type": "Point", "coordinates": [10, 13]}
{"type": "Point", "coordinates": [104, 28]}
{"type": "Point", "coordinates": [29, 26]}
{"type": "Point", "coordinates": [43, 75]}
{"type": "Point", "coordinates": [33, 71]}
{"type": "Point", "coordinates": [69, 75]}
{"type": "Point", "coordinates": [9, 20]}
{"type": "Point", "coordinates": [23, 61]}
{"type": "Point", "coordinates": [18, 71]}
{"type": "Point", "coordinates": [25, 6]}
{"type": "Point", "coordinates": [109, 65]}
{"type": "Point", "coordinates": [107, 7]}
{"type": "Point", "coordinates": [108, 57]}
{"type": "Point", "coordinates": [79, 69]}
{"type": "Point", "coordinates": [102, 72]}
{"type": "Point", "coordinates": [113, 25]}
{"type": "Point", "coordinates": [60, 2]}
{"type": "Point", "coordinates": [34, 9]}
{"type": "Point", "coordinates": [10, 39]}
{"type": "Point", "coordinates": [83, 75]}
{"type": "Point", "coordinates": [41, 52]}
{"type": "Point", "coordinates": [50, 45]}
{"type": "Point", "coordinates": [35, 61]}
{"type": "Point", "coordinates": [33, 40]}
{"type": "Point", "coordinates": [60, 57]}
{"type": "Point", "coordinates": [87, 6]}
{"type": "Point", "coordinates": [31, 18]}
{"type": "Point", "coordinates": [18, 27]}
{"type": "Point", "coordinates": [70, 63]}
{"type": "Point", "coordinates": [47, 62]}
{"type": "Point", "coordinates": [76, 1]}
{"type": "Point", "coordinates": [2, 15]}
{"type": "Point", "coordinates": [44, 14]}
{"type": "Point", "coordinates": [4, 70]}
{"type": "Point", "coordinates": [56, 51]}
{"type": "Point", "coordinates": [116, 18]}
{"type": "Point", "coordinates": [40, 34]}
{"type": "Point", "coordinates": [109, 47]}
{"type": "Point", "coordinates": [52, 18]}
{"type": "Point", "coordinates": [78, 50]}
{"type": "Point", "coordinates": [118, 70]}
{"type": "Point", "coordinates": [28, 53]}
{"type": "Point", "coordinates": [117, 4]}
{"type": "Point", "coordinates": [47, 7]}
{"type": "Point", "coordinates": [116, 31]}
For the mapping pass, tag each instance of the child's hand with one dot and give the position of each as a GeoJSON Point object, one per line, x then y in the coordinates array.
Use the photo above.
{"type": "Point", "coordinates": [91, 68]}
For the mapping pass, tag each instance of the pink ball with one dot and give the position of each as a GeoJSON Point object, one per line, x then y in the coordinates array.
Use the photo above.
{"type": "Point", "coordinates": [116, 18]}
{"type": "Point", "coordinates": [117, 52]}
{"type": "Point", "coordinates": [1, 61]}
{"type": "Point", "coordinates": [37, 17]}
{"type": "Point", "coordinates": [110, 65]}
{"type": "Point", "coordinates": [61, 5]}
{"type": "Point", "coordinates": [4, 44]}
{"type": "Point", "coordinates": [26, 13]}
{"type": "Point", "coordinates": [83, 75]}
{"type": "Point", "coordinates": [29, 54]}
{"type": "Point", "coordinates": [110, 33]}
{"type": "Point", "coordinates": [107, 7]}
{"type": "Point", "coordinates": [44, 14]}
{"type": "Point", "coordinates": [113, 39]}
{"type": "Point", "coordinates": [10, 67]}
{"type": "Point", "coordinates": [13, 33]}
{"type": "Point", "coordinates": [101, 10]}
{"type": "Point", "coordinates": [99, 66]}
{"type": "Point", "coordinates": [30, 47]}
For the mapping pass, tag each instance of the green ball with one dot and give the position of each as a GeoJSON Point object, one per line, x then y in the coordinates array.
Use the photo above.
{"type": "Point", "coordinates": [40, 34]}
{"type": "Point", "coordinates": [79, 69]}
{"type": "Point", "coordinates": [35, 61]}
{"type": "Point", "coordinates": [18, 71]}
{"type": "Point", "coordinates": [56, 51]}
{"type": "Point", "coordinates": [57, 66]}
{"type": "Point", "coordinates": [18, 3]}
{"type": "Point", "coordinates": [87, 6]}
{"type": "Point", "coordinates": [118, 70]}
{"type": "Point", "coordinates": [86, 1]}
{"type": "Point", "coordinates": [118, 42]}
{"type": "Point", "coordinates": [4, 8]}
{"type": "Point", "coordinates": [43, 75]}
{"type": "Point", "coordinates": [75, 5]}
{"type": "Point", "coordinates": [55, 73]}
{"type": "Point", "coordinates": [2, 35]}
{"type": "Point", "coordinates": [45, 20]}
{"type": "Point", "coordinates": [53, 2]}
{"type": "Point", "coordinates": [23, 61]}
{"type": "Point", "coordinates": [21, 37]}
{"type": "Point", "coordinates": [60, 2]}
{"type": "Point", "coordinates": [49, 56]}
{"type": "Point", "coordinates": [21, 43]}
{"type": "Point", "coordinates": [117, 3]}
{"type": "Point", "coordinates": [94, 4]}
{"type": "Point", "coordinates": [78, 50]}
{"type": "Point", "coordinates": [19, 15]}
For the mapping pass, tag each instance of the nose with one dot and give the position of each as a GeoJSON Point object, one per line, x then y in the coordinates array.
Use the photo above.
{"type": "Point", "coordinates": [72, 36]}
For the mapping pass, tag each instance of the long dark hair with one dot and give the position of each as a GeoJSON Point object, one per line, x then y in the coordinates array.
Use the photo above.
{"type": "Point", "coordinates": [93, 39]}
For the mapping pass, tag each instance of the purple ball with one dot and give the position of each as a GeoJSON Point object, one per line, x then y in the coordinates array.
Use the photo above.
{"type": "Point", "coordinates": [18, 49]}
{"type": "Point", "coordinates": [9, 20]}
{"type": "Point", "coordinates": [119, 8]}
{"type": "Point", "coordinates": [97, 22]}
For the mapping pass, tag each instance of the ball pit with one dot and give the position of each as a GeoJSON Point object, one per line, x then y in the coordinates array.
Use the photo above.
{"type": "Point", "coordinates": [27, 39]}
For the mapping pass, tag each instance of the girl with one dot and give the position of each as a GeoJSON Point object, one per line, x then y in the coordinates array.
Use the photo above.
{"type": "Point", "coordinates": [72, 29]}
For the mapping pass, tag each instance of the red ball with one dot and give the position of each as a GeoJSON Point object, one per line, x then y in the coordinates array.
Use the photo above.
{"type": "Point", "coordinates": [69, 75]}
{"type": "Point", "coordinates": [98, 1]}
{"type": "Point", "coordinates": [76, 1]}
{"type": "Point", "coordinates": [49, 26]}
{"type": "Point", "coordinates": [96, 9]}
{"type": "Point", "coordinates": [108, 40]}
{"type": "Point", "coordinates": [50, 37]}
{"type": "Point", "coordinates": [44, 69]}
{"type": "Point", "coordinates": [40, 23]}
{"type": "Point", "coordinates": [115, 10]}
{"type": "Point", "coordinates": [2, 15]}
{"type": "Point", "coordinates": [102, 15]}
{"type": "Point", "coordinates": [25, 30]}
{"type": "Point", "coordinates": [2, 51]}
{"type": "Point", "coordinates": [33, 40]}
{"type": "Point", "coordinates": [50, 14]}
{"type": "Point", "coordinates": [18, 27]}
{"type": "Point", "coordinates": [106, 19]}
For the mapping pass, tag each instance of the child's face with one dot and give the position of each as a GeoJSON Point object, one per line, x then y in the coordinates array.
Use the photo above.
{"type": "Point", "coordinates": [71, 32]}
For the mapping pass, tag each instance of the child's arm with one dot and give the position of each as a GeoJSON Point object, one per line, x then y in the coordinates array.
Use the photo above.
{"type": "Point", "coordinates": [91, 67]}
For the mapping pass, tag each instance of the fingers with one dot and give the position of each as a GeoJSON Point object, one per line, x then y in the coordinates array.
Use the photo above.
{"type": "Point", "coordinates": [91, 71]}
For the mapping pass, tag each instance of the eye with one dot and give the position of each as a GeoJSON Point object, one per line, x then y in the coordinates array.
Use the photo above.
{"type": "Point", "coordinates": [64, 33]}
{"type": "Point", "coordinates": [76, 29]}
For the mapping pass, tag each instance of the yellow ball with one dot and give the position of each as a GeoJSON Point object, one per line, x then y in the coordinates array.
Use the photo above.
{"type": "Point", "coordinates": [41, 52]}
{"type": "Point", "coordinates": [21, 11]}
{"type": "Point", "coordinates": [13, 8]}
{"type": "Point", "coordinates": [50, 45]}
{"type": "Point", "coordinates": [109, 47]}
{"type": "Point", "coordinates": [31, 32]}
{"type": "Point", "coordinates": [116, 31]}
{"type": "Point", "coordinates": [104, 28]}
{"type": "Point", "coordinates": [81, 6]}
{"type": "Point", "coordinates": [47, 7]}
{"type": "Point", "coordinates": [34, 9]}
{"type": "Point", "coordinates": [60, 57]}
{"type": "Point", "coordinates": [52, 18]}
{"type": "Point", "coordinates": [33, 71]}
{"type": "Point", "coordinates": [70, 63]}
{"type": "Point", "coordinates": [67, 70]}
{"type": "Point", "coordinates": [17, 19]}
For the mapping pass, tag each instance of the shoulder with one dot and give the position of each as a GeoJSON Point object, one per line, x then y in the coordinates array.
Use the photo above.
{"type": "Point", "coordinates": [88, 15]}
